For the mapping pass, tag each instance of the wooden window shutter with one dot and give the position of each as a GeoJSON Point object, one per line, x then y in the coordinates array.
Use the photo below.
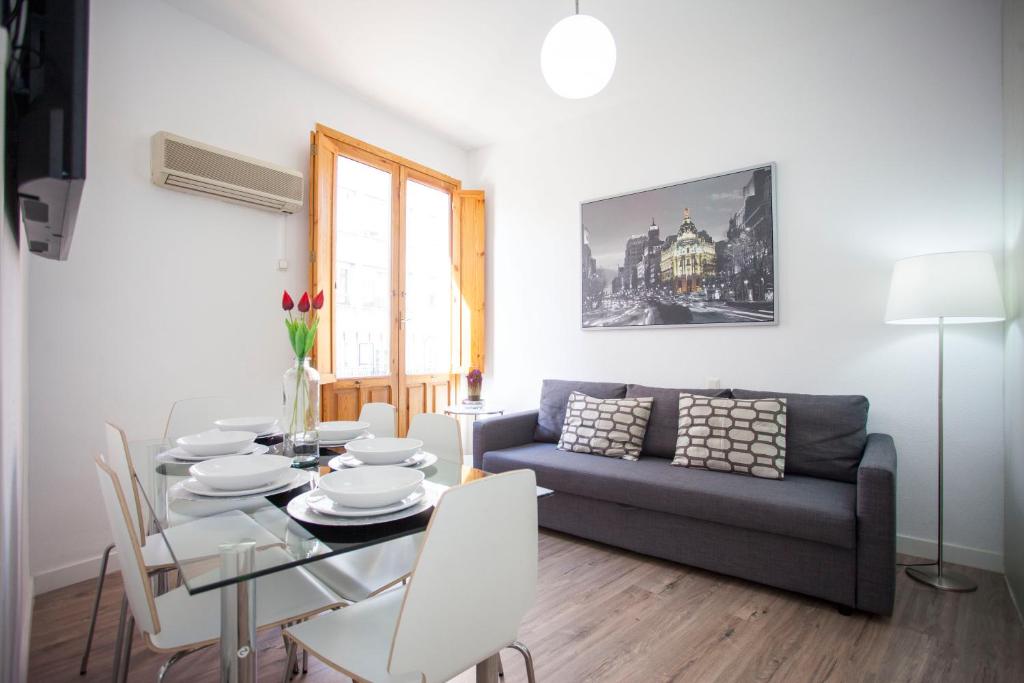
{"type": "Point", "coordinates": [321, 249]}
{"type": "Point", "coordinates": [469, 236]}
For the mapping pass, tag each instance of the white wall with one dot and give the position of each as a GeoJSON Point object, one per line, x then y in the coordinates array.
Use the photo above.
{"type": "Point", "coordinates": [168, 295]}
{"type": "Point", "coordinates": [15, 580]}
{"type": "Point", "coordinates": [1013, 199]}
{"type": "Point", "coordinates": [884, 119]}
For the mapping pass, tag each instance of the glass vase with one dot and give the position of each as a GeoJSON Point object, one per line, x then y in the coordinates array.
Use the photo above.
{"type": "Point", "coordinates": [301, 413]}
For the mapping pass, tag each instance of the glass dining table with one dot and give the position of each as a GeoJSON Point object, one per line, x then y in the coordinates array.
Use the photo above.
{"type": "Point", "coordinates": [293, 539]}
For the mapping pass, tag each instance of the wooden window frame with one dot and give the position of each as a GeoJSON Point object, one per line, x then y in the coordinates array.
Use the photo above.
{"type": "Point", "coordinates": [465, 336]}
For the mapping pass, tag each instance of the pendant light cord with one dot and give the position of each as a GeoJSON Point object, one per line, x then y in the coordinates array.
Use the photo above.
{"type": "Point", "coordinates": [577, 6]}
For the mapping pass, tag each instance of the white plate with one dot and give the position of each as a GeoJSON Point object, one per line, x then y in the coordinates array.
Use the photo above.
{"type": "Point", "coordinates": [200, 489]}
{"type": "Point", "coordinates": [181, 455]}
{"type": "Point", "coordinates": [318, 502]}
{"type": "Point", "coordinates": [341, 430]}
{"type": "Point", "coordinates": [240, 472]}
{"type": "Point", "coordinates": [298, 509]}
{"type": "Point", "coordinates": [418, 461]}
{"type": "Point", "coordinates": [216, 442]}
{"type": "Point", "coordinates": [384, 450]}
{"type": "Point", "coordinates": [188, 503]}
{"type": "Point", "coordinates": [370, 487]}
{"type": "Point", "coordinates": [260, 425]}
{"type": "Point", "coordinates": [343, 442]}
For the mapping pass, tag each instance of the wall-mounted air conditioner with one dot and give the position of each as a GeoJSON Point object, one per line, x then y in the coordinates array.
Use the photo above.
{"type": "Point", "coordinates": [188, 166]}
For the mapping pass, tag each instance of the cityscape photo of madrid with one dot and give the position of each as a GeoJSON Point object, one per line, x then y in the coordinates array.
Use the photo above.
{"type": "Point", "coordinates": [700, 252]}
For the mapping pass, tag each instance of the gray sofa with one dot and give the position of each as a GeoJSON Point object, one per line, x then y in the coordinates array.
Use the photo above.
{"type": "Point", "coordinates": [828, 529]}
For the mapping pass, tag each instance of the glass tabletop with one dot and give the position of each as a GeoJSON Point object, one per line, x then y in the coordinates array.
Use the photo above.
{"type": "Point", "coordinates": [473, 409]}
{"type": "Point", "coordinates": [194, 526]}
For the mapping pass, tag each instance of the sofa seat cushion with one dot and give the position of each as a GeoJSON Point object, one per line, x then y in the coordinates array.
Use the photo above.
{"type": "Point", "coordinates": [819, 510]}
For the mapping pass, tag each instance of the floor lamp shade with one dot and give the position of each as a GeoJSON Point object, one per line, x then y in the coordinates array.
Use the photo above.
{"type": "Point", "coordinates": [958, 287]}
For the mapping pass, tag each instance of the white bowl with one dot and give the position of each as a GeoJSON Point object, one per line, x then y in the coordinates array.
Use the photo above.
{"type": "Point", "coordinates": [216, 442]}
{"type": "Point", "coordinates": [370, 487]}
{"type": "Point", "coordinates": [383, 451]}
{"type": "Point", "coordinates": [339, 431]}
{"type": "Point", "coordinates": [240, 472]}
{"type": "Point", "coordinates": [260, 425]}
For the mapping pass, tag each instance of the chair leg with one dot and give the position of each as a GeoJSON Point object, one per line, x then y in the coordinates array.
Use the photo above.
{"type": "Point", "coordinates": [119, 641]}
{"type": "Point", "coordinates": [95, 609]}
{"type": "Point", "coordinates": [289, 660]}
{"type": "Point", "coordinates": [501, 668]}
{"type": "Point", "coordinates": [121, 672]}
{"type": "Point", "coordinates": [305, 661]}
{"type": "Point", "coordinates": [175, 658]}
{"type": "Point", "coordinates": [527, 657]}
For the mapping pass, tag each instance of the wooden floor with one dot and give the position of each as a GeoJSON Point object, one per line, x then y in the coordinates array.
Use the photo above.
{"type": "Point", "coordinates": [604, 614]}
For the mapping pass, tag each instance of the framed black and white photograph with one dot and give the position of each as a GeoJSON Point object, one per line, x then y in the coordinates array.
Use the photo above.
{"type": "Point", "coordinates": [699, 252]}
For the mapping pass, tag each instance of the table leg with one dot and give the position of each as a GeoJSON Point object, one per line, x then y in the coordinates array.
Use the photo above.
{"type": "Point", "coordinates": [238, 615]}
{"type": "Point", "coordinates": [487, 670]}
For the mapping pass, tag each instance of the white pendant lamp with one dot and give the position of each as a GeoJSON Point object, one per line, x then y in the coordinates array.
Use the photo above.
{"type": "Point", "coordinates": [578, 56]}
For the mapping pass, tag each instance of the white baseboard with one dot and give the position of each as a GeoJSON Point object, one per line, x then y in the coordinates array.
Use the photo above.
{"type": "Point", "coordinates": [52, 579]}
{"type": "Point", "coordinates": [957, 554]}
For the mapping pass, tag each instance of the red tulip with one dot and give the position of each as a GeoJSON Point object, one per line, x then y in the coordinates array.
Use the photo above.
{"type": "Point", "coordinates": [318, 300]}
{"type": "Point", "coordinates": [286, 301]}
{"type": "Point", "coordinates": [304, 302]}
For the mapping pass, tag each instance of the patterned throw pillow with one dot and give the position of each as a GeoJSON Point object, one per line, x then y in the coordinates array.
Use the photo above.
{"type": "Point", "coordinates": [732, 435]}
{"type": "Point", "coordinates": [605, 426]}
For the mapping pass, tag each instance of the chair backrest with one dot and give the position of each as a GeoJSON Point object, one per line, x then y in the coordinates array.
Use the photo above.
{"type": "Point", "coordinates": [194, 415]}
{"type": "Point", "coordinates": [120, 461]}
{"type": "Point", "coordinates": [133, 572]}
{"type": "Point", "coordinates": [474, 580]}
{"type": "Point", "coordinates": [439, 434]}
{"type": "Point", "coordinates": [382, 418]}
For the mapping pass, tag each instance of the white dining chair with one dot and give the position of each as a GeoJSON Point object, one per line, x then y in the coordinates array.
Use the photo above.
{"type": "Point", "coordinates": [192, 541]}
{"type": "Point", "coordinates": [178, 623]}
{"type": "Point", "coordinates": [474, 580]}
{"type": "Point", "coordinates": [194, 415]}
{"type": "Point", "coordinates": [439, 434]}
{"type": "Point", "coordinates": [382, 417]}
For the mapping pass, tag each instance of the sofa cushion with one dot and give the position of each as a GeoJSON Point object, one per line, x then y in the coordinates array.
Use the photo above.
{"type": "Point", "coordinates": [825, 435]}
{"type": "Point", "coordinates": [801, 507]}
{"type": "Point", "coordinates": [554, 395]}
{"type": "Point", "coordinates": [613, 427]}
{"type": "Point", "coordinates": [741, 436]}
{"type": "Point", "coordinates": [664, 423]}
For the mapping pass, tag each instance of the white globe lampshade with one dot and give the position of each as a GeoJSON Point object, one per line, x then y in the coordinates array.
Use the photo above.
{"type": "Point", "coordinates": [578, 57]}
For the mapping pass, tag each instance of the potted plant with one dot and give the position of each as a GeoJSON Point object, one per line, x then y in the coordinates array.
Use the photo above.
{"type": "Point", "coordinates": [302, 381]}
{"type": "Point", "coordinates": [474, 382]}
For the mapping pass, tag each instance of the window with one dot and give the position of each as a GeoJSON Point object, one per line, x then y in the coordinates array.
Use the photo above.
{"type": "Point", "coordinates": [398, 250]}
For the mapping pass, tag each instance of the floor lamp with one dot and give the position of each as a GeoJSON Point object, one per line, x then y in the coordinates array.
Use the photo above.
{"type": "Point", "coordinates": [953, 288]}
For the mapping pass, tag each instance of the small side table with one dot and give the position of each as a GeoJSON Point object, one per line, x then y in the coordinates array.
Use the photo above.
{"type": "Point", "coordinates": [460, 410]}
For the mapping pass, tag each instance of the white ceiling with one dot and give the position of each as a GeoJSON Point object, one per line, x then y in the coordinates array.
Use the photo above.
{"type": "Point", "coordinates": [467, 69]}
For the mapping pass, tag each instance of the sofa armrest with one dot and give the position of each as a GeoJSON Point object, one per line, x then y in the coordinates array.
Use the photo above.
{"type": "Point", "coordinates": [514, 429]}
{"type": "Point", "coordinates": [876, 525]}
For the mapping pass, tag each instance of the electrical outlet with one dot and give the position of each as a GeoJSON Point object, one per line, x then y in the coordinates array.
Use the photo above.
{"type": "Point", "coordinates": [282, 264]}
{"type": "Point", "coordinates": [714, 383]}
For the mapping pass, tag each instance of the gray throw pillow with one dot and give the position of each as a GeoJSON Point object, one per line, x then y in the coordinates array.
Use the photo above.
{"type": "Point", "coordinates": [826, 434]}
{"type": "Point", "coordinates": [613, 427]}
{"type": "Point", "coordinates": [732, 435]}
{"type": "Point", "coordinates": [554, 394]}
{"type": "Point", "coordinates": [664, 423]}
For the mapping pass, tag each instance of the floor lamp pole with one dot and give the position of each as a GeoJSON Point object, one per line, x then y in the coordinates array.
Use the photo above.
{"type": "Point", "coordinates": [934, 575]}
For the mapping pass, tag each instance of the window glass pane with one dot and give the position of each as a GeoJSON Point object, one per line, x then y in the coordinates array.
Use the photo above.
{"type": "Point", "coordinates": [362, 287]}
{"type": "Point", "coordinates": [428, 280]}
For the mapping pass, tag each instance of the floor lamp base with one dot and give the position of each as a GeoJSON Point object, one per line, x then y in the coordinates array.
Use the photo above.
{"type": "Point", "coordinates": [947, 581]}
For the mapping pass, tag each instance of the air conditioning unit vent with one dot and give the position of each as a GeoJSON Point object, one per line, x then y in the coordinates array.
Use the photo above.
{"type": "Point", "coordinates": [189, 166]}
